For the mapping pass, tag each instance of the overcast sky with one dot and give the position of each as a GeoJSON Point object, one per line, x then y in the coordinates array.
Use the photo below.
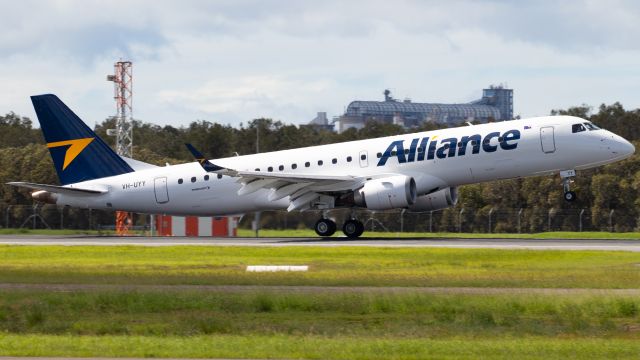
{"type": "Point", "coordinates": [232, 61]}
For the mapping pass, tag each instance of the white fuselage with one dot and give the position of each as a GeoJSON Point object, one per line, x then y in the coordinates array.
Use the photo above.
{"type": "Point", "coordinates": [546, 145]}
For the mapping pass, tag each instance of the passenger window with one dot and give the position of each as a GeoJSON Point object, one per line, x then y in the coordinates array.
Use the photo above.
{"type": "Point", "coordinates": [219, 176]}
{"type": "Point", "coordinates": [270, 169]}
{"type": "Point", "coordinates": [179, 181]}
{"type": "Point", "coordinates": [348, 158]}
{"type": "Point", "coordinates": [575, 128]}
{"type": "Point", "coordinates": [379, 155]}
{"type": "Point", "coordinates": [307, 164]}
{"type": "Point", "coordinates": [294, 166]}
{"type": "Point", "coordinates": [193, 179]}
{"type": "Point", "coordinates": [281, 167]}
{"type": "Point", "coordinates": [320, 162]}
{"type": "Point", "coordinates": [363, 157]}
{"type": "Point", "coordinates": [206, 178]}
{"type": "Point", "coordinates": [334, 161]}
{"type": "Point", "coordinates": [406, 151]}
{"type": "Point", "coordinates": [257, 169]}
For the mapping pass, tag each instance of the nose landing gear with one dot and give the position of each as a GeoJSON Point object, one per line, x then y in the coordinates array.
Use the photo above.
{"type": "Point", "coordinates": [566, 176]}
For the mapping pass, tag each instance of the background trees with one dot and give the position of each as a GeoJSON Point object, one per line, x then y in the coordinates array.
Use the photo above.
{"type": "Point", "coordinates": [613, 187]}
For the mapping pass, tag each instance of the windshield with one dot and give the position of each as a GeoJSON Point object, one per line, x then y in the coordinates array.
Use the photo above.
{"type": "Point", "coordinates": [591, 126]}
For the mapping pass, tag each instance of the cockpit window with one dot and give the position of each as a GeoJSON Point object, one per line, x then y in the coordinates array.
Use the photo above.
{"type": "Point", "coordinates": [591, 126]}
{"type": "Point", "coordinates": [575, 128]}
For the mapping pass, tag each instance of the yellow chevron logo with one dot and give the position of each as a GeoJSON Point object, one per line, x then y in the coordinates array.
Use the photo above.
{"type": "Point", "coordinates": [75, 148]}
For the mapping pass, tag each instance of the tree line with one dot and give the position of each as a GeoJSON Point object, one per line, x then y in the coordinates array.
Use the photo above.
{"type": "Point", "coordinates": [612, 187]}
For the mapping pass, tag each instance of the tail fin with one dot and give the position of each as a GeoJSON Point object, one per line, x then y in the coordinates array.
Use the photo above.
{"type": "Point", "coordinates": [77, 152]}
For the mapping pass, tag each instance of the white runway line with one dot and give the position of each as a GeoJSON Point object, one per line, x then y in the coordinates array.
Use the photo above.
{"type": "Point", "coordinates": [274, 268]}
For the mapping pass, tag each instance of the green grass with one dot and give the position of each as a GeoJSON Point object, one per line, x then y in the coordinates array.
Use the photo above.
{"type": "Point", "coordinates": [331, 324]}
{"type": "Point", "coordinates": [343, 325]}
{"type": "Point", "coordinates": [334, 314]}
{"type": "Point", "coordinates": [544, 235]}
{"type": "Point", "coordinates": [329, 266]}
{"type": "Point", "coordinates": [313, 347]}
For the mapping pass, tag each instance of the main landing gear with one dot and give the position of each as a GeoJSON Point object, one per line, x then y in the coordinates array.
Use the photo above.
{"type": "Point", "coordinates": [325, 227]}
{"type": "Point", "coordinates": [352, 228]}
{"type": "Point", "coordinates": [566, 176]}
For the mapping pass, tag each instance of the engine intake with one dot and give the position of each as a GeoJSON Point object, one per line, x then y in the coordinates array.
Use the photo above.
{"type": "Point", "coordinates": [438, 200]}
{"type": "Point", "coordinates": [398, 191]}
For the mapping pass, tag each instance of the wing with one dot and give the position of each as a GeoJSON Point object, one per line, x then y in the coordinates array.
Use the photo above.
{"type": "Point", "coordinates": [304, 190]}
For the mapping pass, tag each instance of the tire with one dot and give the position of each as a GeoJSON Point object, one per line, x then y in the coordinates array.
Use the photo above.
{"type": "Point", "coordinates": [570, 196]}
{"type": "Point", "coordinates": [353, 228]}
{"type": "Point", "coordinates": [325, 227]}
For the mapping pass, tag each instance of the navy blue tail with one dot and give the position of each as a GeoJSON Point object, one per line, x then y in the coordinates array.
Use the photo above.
{"type": "Point", "coordinates": [77, 152]}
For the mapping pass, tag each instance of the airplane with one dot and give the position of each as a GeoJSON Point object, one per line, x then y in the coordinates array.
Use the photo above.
{"type": "Point", "coordinates": [418, 172]}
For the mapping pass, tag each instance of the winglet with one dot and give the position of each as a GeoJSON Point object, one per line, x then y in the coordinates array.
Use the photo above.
{"type": "Point", "coordinates": [207, 165]}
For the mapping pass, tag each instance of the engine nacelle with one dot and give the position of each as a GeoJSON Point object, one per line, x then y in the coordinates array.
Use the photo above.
{"type": "Point", "coordinates": [45, 197]}
{"type": "Point", "coordinates": [438, 200]}
{"type": "Point", "coordinates": [387, 193]}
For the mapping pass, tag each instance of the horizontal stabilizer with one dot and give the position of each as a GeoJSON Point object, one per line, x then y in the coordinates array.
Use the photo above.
{"type": "Point", "coordinates": [57, 189]}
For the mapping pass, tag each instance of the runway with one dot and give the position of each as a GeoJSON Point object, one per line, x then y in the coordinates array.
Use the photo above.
{"type": "Point", "coordinates": [532, 244]}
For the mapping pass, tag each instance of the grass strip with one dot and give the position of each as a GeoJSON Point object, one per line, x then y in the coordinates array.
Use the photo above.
{"type": "Point", "coordinates": [329, 266]}
{"type": "Point", "coordinates": [311, 347]}
{"type": "Point", "coordinates": [360, 314]}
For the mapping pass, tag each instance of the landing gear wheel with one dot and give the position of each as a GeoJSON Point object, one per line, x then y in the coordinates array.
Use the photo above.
{"type": "Point", "coordinates": [570, 196]}
{"type": "Point", "coordinates": [353, 228]}
{"type": "Point", "coordinates": [566, 176]}
{"type": "Point", "coordinates": [325, 227]}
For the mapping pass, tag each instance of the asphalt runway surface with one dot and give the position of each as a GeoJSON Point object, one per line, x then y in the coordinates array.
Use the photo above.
{"type": "Point", "coordinates": [533, 244]}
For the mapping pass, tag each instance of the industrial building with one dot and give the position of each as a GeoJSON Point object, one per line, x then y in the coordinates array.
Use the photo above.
{"type": "Point", "coordinates": [496, 104]}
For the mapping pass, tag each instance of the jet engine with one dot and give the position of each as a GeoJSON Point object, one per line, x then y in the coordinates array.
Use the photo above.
{"type": "Point", "coordinates": [437, 200]}
{"type": "Point", "coordinates": [45, 197]}
{"type": "Point", "coordinates": [398, 191]}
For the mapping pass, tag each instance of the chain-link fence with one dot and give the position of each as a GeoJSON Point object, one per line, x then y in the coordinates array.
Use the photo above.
{"type": "Point", "coordinates": [465, 220]}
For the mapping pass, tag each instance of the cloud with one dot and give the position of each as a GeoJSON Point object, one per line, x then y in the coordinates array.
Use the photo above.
{"type": "Point", "coordinates": [232, 61]}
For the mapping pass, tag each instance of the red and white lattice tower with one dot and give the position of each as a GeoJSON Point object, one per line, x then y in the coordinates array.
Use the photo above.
{"type": "Point", "coordinates": [123, 94]}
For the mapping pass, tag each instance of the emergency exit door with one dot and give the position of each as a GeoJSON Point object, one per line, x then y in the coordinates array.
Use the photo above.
{"type": "Point", "coordinates": [364, 159]}
{"type": "Point", "coordinates": [547, 139]}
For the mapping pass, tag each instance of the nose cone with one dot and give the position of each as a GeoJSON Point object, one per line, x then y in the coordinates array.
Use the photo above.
{"type": "Point", "coordinates": [624, 148]}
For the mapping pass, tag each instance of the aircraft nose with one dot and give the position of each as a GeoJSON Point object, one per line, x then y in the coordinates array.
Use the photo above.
{"type": "Point", "coordinates": [623, 147]}
{"type": "Point", "coordinates": [628, 148]}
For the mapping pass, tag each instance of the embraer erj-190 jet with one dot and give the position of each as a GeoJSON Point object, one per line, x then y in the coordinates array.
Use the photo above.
{"type": "Point", "coordinates": [417, 172]}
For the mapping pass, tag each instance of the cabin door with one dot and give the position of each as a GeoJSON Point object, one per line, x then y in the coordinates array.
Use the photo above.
{"type": "Point", "coordinates": [160, 188]}
{"type": "Point", "coordinates": [547, 139]}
